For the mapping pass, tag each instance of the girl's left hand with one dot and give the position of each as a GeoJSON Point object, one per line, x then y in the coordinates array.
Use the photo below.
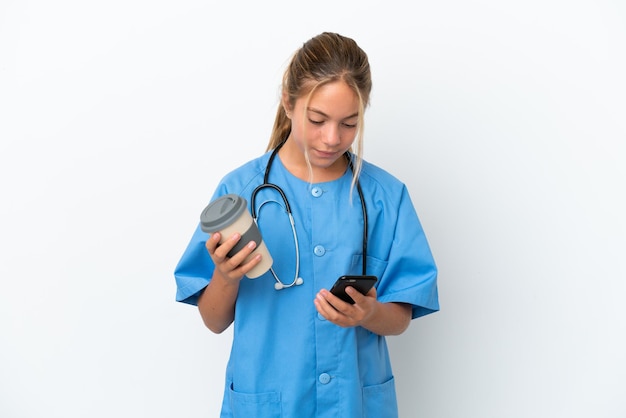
{"type": "Point", "coordinates": [344, 314]}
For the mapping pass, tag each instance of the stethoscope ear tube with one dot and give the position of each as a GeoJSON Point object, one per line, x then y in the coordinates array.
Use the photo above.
{"type": "Point", "coordinates": [364, 209]}
{"type": "Point", "coordinates": [263, 186]}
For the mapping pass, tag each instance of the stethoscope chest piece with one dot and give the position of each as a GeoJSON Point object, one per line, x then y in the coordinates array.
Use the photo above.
{"type": "Point", "coordinates": [280, 285]}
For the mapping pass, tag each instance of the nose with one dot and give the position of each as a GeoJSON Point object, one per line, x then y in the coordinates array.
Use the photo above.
{"type": "Point", "coordinates": [332, 135]}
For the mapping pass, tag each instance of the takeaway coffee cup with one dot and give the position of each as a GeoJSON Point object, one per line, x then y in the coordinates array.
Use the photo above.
{"type": "Point", "coordinates": [228, 215]}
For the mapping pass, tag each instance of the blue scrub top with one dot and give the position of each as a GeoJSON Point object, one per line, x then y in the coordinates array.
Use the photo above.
{"type": "Point", "coordinates": [286, 360]}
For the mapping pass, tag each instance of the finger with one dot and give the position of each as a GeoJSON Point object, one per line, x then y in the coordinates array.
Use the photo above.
{"type": "Point", "coordinates": [325, 308]}
{"type": "Point", "coordinates": [225, 247]}
{"type": "Point", "coordinates": [240, 260]}
{"type": "Point", "coordinates": [325, 304]}
{"type": "Point", "coordinates": [358, 297]}
{"type": "Point", "coordinates": [213, 242]}
{"type": "Point", "coordinates": [219, 252]}
{"type": "Point", "coordinates": [237, 266]}
{"type": "Point", "coordinates": [334, 303]}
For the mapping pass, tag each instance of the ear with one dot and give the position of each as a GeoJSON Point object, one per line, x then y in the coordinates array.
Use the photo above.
{"type": "Point", "coordinates": [286, 105]}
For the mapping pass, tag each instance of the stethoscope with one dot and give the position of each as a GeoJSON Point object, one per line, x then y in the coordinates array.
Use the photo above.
{"type": "Point", "coordinates": [297, 280]}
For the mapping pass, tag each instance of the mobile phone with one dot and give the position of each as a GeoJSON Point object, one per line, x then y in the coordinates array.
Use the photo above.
{"type": "Point", "coordinates": [361, 283]}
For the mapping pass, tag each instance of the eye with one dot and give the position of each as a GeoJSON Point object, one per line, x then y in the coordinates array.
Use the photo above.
{"type": "Point", "coordinates": [349, 125]}
{"type": "Point", "coordinates": [316, 122]}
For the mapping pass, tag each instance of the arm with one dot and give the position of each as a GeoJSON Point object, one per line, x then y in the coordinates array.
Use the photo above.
{"type": "Point", "coordinates": [217, 302]}
{"type": "Point", "coordinates": [380, 318]}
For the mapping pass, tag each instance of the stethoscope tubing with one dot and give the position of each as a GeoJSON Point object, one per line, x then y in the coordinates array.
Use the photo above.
{"type": "Point", "coordinates": [266, 184]}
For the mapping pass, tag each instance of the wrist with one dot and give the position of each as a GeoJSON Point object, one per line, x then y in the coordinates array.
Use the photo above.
{"type": "Point", "coordinates": [224, 281]}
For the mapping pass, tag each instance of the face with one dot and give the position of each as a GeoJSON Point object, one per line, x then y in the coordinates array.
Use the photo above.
{"type": "Point", "coordinates": [325, 127]}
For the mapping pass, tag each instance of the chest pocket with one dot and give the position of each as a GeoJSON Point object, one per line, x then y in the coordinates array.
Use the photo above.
{"type": "Point", "coordinates": [375, 266]}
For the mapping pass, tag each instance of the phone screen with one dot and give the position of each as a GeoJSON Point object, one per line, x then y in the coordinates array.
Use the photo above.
{"type": "Point", "coordinates": [361, 283]}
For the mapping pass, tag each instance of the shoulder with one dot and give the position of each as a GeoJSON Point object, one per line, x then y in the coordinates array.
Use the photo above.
{"type": "Point", "coordinates": [244, 178]}
{"type": "Point", "coordinates": [375, 178]}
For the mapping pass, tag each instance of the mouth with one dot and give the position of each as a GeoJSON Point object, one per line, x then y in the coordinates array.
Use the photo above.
{"type": "Point", "coordinates": [327, 154]}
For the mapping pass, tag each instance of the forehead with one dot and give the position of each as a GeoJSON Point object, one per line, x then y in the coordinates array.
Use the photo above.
{"type": "Point", "coordinates": [333, 99]}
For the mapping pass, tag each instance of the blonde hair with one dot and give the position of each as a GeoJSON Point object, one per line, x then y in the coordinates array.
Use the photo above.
{"type": "Point", "coordinates": [323, 59]}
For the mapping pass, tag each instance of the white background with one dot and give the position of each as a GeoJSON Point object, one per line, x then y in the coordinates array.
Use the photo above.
{"type": "Point", "coordinates": [506, 119]}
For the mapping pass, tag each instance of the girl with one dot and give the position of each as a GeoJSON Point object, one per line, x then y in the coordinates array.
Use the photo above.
{"type": "Point", "coordinates": [301, 351]}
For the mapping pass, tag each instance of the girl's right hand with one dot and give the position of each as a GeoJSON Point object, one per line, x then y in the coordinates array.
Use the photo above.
{"type": "Point", "coordinates": [231, 268]}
